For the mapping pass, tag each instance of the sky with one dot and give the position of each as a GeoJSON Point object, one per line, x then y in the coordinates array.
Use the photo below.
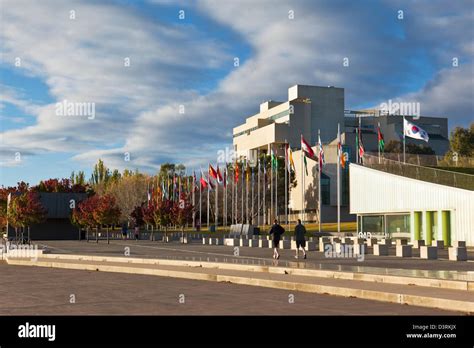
{"type": "Point", "coordinates": [162, 79]}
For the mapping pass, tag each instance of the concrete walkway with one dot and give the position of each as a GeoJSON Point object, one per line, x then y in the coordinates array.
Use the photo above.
{"type": "Point", "coordinates": [425, 296]}
{"type": "Point", "coordinates": [47, 291]}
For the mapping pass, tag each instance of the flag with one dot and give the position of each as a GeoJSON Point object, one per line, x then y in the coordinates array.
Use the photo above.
{"type": "Point", "coordinates": [219, 176]}
{"type": "Point", "coordinates": [163, 190]}
{"type": "Point", "coordinates": [195, 186]}
{"type": "Point", "coordinates": [361, 145]}
{"type": "Point", "coordinates": [308, 151]}
{"type": "Point", "coordinates": [236, 172]}
{"type": "Point", "coordinates": [203, 180]}
{"type": "Point", "coordinates": [380, 139]}
{"type": "Point", "coordinates": [225, 176]}
{"type": "Point", "coordinates": [321, 153]}
{"type": "Point", "coordinates": [291, 163]}
{"type": "Point", "coordinates": [413, 131]}
{"type": "Point", "coordinates": [305, 165]}
{"type": "Point", "coordinates": [274, 159]}
{"type": "Point", "coordinates": [340, 153]}
{"type": "Point", "coordinates": [212, 172]}
{"type": "Point", "coordinates": [211, 185]}
{"type": "Point", "coordinates": [247, 171]}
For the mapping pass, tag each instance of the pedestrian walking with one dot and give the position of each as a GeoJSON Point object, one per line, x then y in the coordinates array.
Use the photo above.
{"type": "Point", "coordinates": [124, 230]}
{"type": "Point", "coordinates": [137, 232]}
{"type": "Point", "coordinates": [276, 231]}
{"type": "Point", "coordinates": [300, 231]}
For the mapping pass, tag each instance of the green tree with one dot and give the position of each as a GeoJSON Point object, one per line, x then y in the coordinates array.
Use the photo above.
{"type": "Point", "coordinates": [461, 141]}
{"type": "Point", "coordinates": [100, 174]}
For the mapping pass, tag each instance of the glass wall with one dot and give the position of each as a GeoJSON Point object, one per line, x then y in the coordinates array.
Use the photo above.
{"type": "Point", "coordinates": [392, 225]}
{"type": "Point", "coordinates": [372, 224]}
{"type": "Point", "coordinates": [398, 224]}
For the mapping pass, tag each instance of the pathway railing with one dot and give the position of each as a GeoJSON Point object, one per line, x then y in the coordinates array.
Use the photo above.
{"type": "Point", "coordinates": [437, 176]}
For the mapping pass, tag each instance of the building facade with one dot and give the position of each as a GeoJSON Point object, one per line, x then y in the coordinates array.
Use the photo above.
{"type": "Point", "coordinates": [313, 109]}
{"type": "Point", "coordinates": [398, 206]}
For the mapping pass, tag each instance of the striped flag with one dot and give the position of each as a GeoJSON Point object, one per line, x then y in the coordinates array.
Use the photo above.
{"type": "Point", "coordinates": [203, 180]}
{"type": "Point", "coordinates": [308, 151]}
{"type": "Point", "coordinates": [212, 172]}
{"type": "Point", "coordinates": [380, 139]}
{"type": "Point", "coordinates": [236, 172]}
{"type": "Point", "coordinates": [360, 145]}
{"type": "Point", "coordinates": [321, 154]}
{"type": "Point", "coordinates": [219, 176]}
{"type": "Point", "coordinates": [289, 158]}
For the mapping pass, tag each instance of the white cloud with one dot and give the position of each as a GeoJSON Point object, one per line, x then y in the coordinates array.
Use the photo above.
{"type": "Point", "coordinates": [137, 107]}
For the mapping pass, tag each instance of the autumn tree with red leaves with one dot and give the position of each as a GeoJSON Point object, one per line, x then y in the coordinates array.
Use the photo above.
{"type": "Point", "coordinates": [25, 210]}
{"type": "Point", "coordinates": [182, 212]}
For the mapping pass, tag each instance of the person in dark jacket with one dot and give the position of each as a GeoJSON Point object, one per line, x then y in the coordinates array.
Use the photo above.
{"type": "Point", "coordinates": [124, 230]}
{"type": "Point", "coordinates": [276, 231]}
{"type": "Point", "coordinates": [300, 231]}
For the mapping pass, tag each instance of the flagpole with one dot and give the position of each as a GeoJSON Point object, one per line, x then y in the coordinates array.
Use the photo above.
{"type": "Point", "coordinates": [258, 188]}
{"type": "Point", "coordinates": [286, 185]}
{"type": "Point", "coordinates": [378, 140]}
{"type": "Point", "coordinates": [194, 202]}
{"type": "Point", "coordinates": [252, 194]}
{"type": "Point", "coordinates": [242, 198]}
{"type": "Point", "coordinates": [264, 190]}
{"type": "Point", "coordinates": [276, 183]}
{"type": "Point", "coordinates": [224, 197]}
{"type": "Point", "coordinates": [247, 190]}
{"type": "Point", "coordinates": [200, 201]}
{"type": "Point", "coordinates": [338, 179]}
{"type": "Point", "coordinates": [208, 205]}
{"type": "Point", "coordinates": [319, 190]}
{"type": "Point", "coordinates": [403, 138]}
{"type": "Point", "coordinates": [302, 186]}
{"type": "Point", "coordinates": [271, 183]}
{"type": "Point", "coordinates": [232, 212]}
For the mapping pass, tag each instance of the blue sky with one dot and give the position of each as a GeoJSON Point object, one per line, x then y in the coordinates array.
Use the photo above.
{"type": "Point", "coordinates": [190, 63]}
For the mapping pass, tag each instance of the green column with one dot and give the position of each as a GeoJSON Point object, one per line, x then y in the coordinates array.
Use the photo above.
{"type": "Point", "coordinates": [429, 227]}
{"type": "Point", "coordinates": [417, 225]}
{"type": "Point", "coordinates": [446, 227]}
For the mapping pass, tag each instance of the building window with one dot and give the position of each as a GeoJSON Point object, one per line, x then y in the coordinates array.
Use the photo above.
{"type": "Point", "coordinates": [372, 223]}
{"type": "Point", "coordinates": [398, 224]}
{"type": "Point", "coordinates": [279, 115]}
{"type": "Point", "coordinates": [325, 190]}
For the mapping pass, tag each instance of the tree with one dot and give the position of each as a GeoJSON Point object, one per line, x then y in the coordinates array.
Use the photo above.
{"type": "Point", "coordinates": [106, 212]}
{"type": "Point", "coordinates": [182, 212]}
{"type": "Point", "coordinates": [462, 141]}
{"type": "Point", "coordinates": [83, 214]}
{"type": "Point", "coordinates": [79, 178]}
{"type": "Point", "coordinates": [148, 213]}
{"type": "Point", "coordinates": [129, 192]}
{"type": "Point", "coordinates": [100, 177]}
{"type": "Point", "coordinates": [163, 214]}
{"type": "Point", "coordinates": [25, 210]}
{"type": "Point", "coordinates": [60, 185]}
{"type": "Point", "coordinates": [394, 146]}
{"type": "Point", "coordinates": [137, 216]}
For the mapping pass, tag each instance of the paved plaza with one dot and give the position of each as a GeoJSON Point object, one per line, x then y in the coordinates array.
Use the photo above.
{"type": "Point", "coordinates": [220, 253]}
{"type": "Point", "coordinates": [216, 279]}
{"type": "Point", "coordinates": [47, 291]}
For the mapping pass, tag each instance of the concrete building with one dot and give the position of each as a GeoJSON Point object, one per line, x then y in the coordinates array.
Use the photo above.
{"type": "Point", "coordinates": [308, 109]}
{"type": "Point", "coordinates": [392, 128]}
{"type": "Point", "coordinates": [58, 224]}
{"type": "Point", "coordinates": [399, 206]}
{"type": "Point", "coordinates": [313, 108]}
